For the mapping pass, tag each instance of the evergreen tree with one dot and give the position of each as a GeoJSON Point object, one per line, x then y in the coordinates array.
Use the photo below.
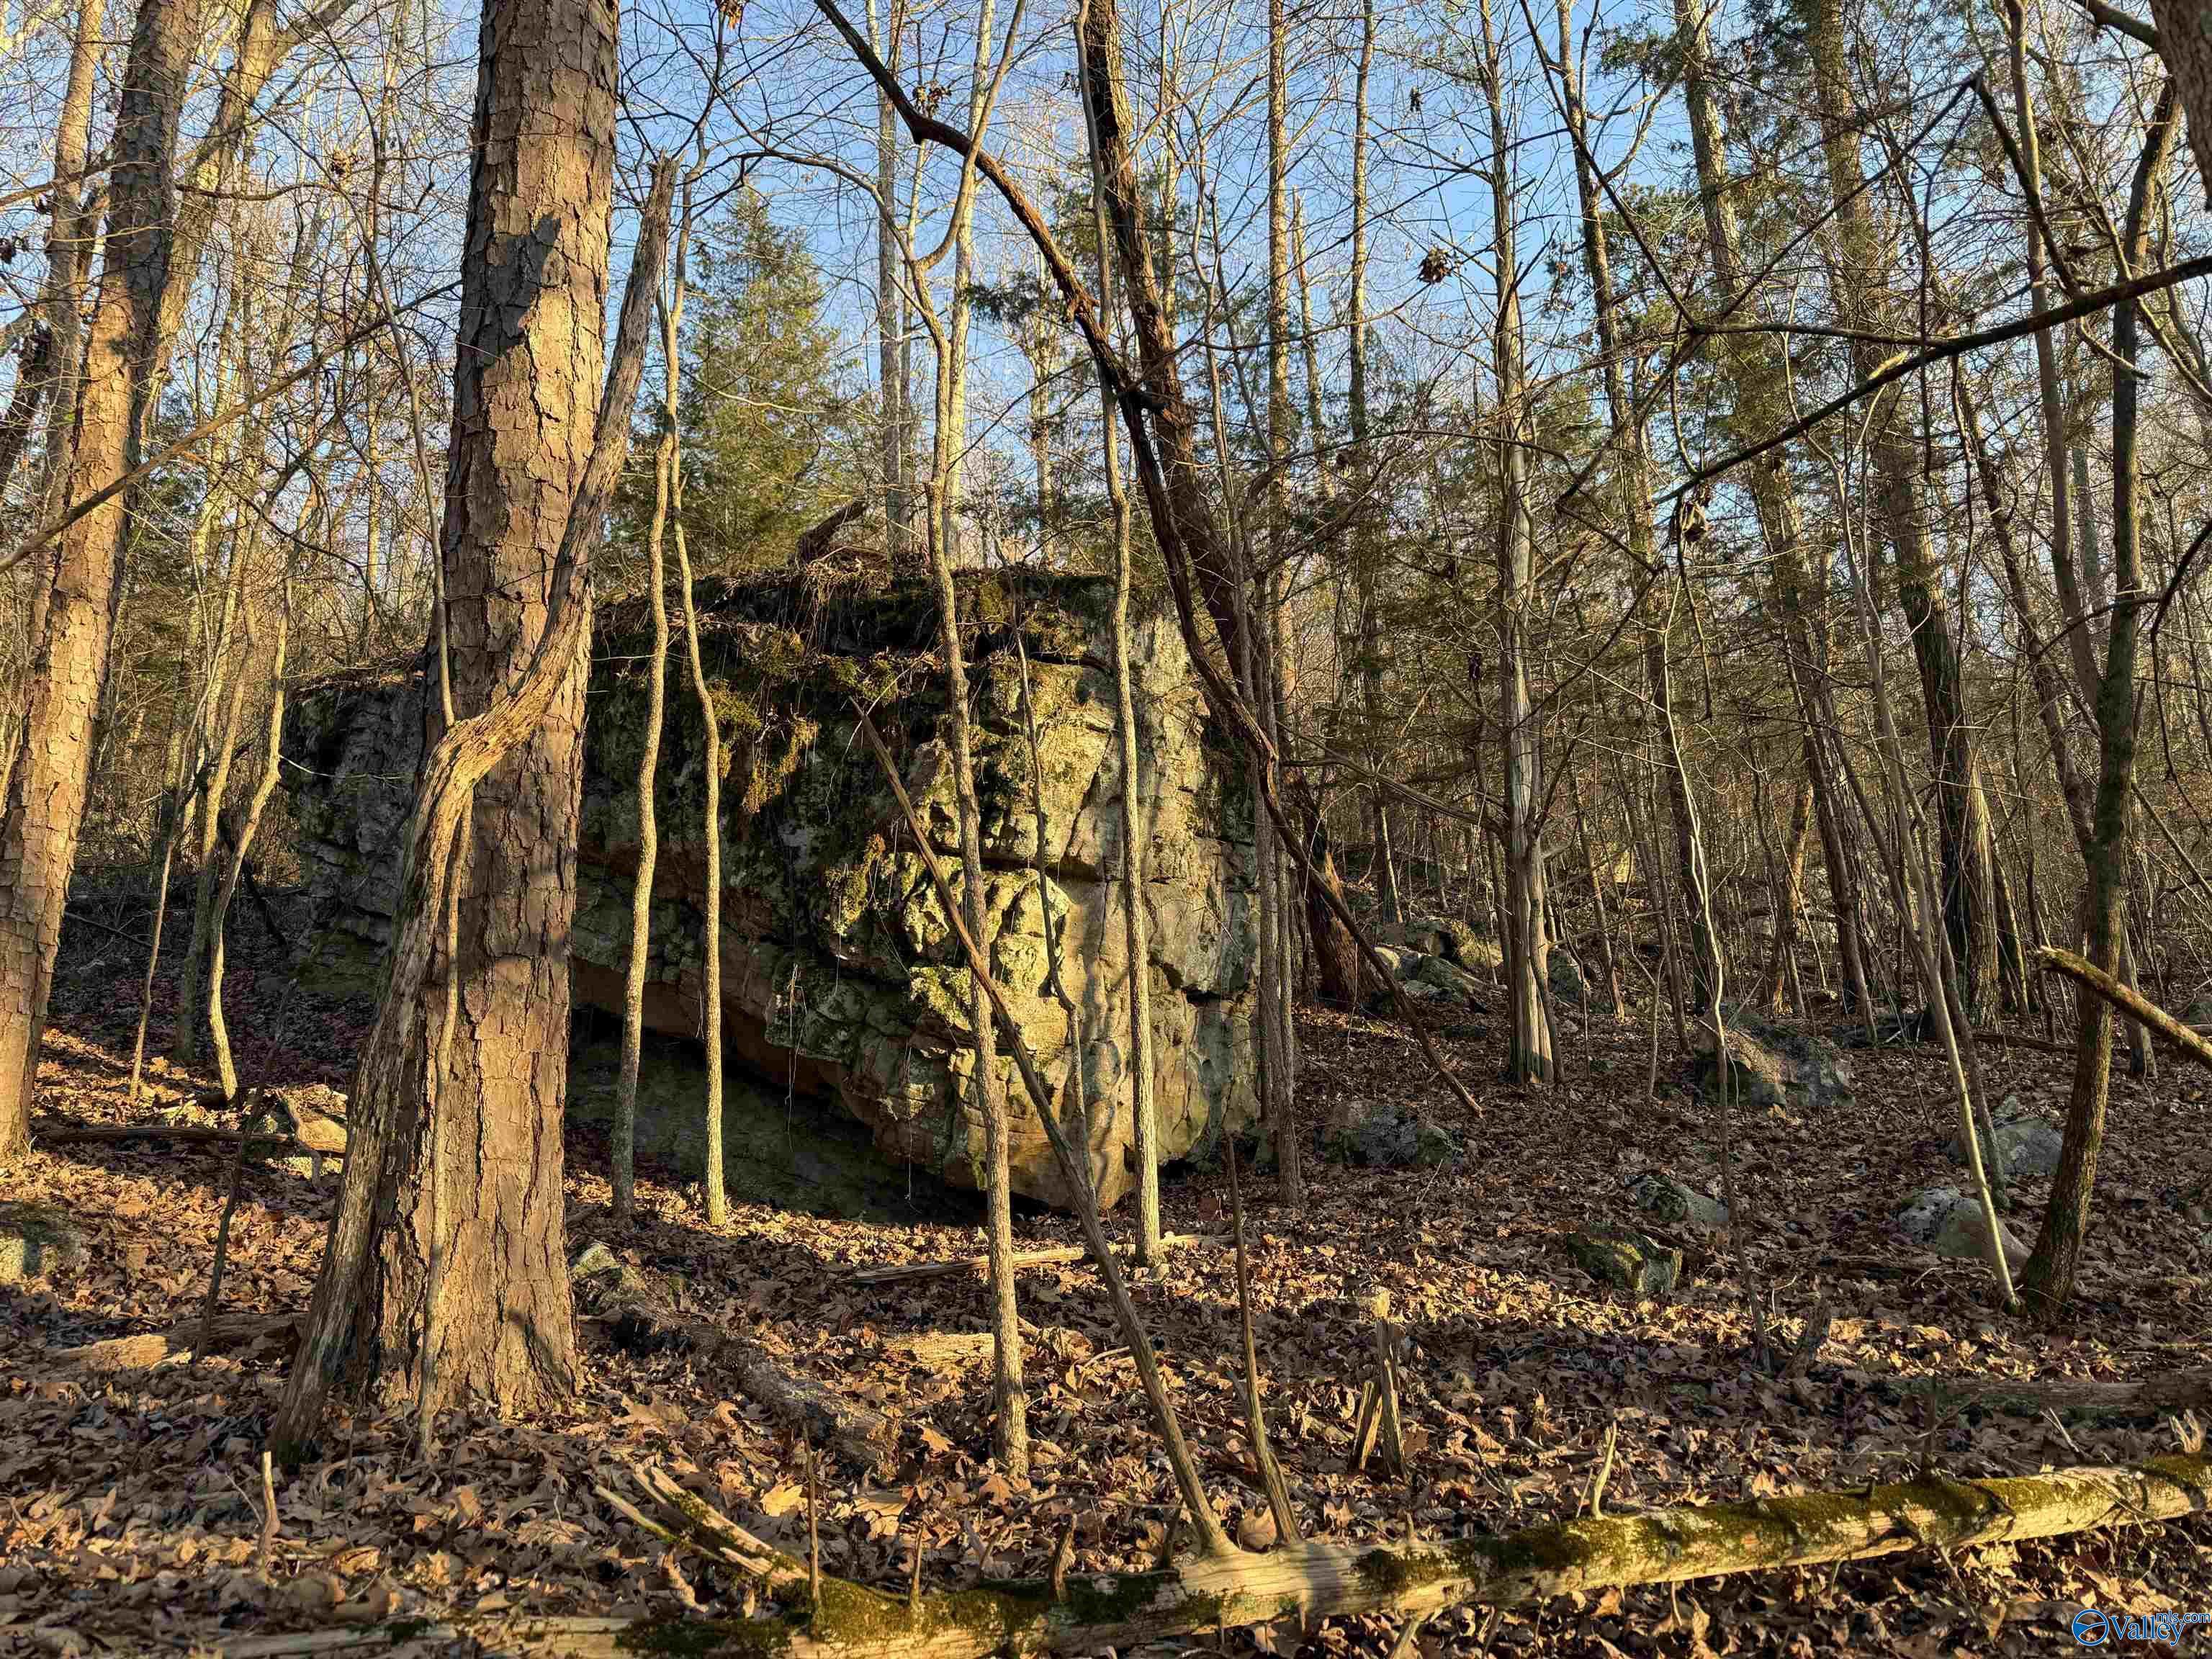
{"type": "Point", "coordinates": [768, 431]}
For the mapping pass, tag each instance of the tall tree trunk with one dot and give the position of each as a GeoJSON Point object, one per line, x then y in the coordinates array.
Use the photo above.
{"type": "Point", "coordinates": [1136, 925]}
{"type": "Point", "coordinates": [47, 784]}
{"type": "Point", "coordinates": [624, 1149]}
{"type": "Point", "coordinates": [1010, 1432]}
{"type": "Point", "coordinates": [1759, 403]}
{"type": "Point", "coordinates": [2048, 1278]}
{"type": "Point", "coordinates": [265, 786]}
{"type": "Point", "coordinates": [444, 1273]}
{"type": "Point", "coordinates": [1527, 947]}
{"type": "Point", "coordinates": [1968, 897]}
{"type": "Point", "coordinates": [1366, 553]}
{"type": "Point", "coordinates": [2184, 40]}
{"type": "Point", "coordinates": [69, 254]}
{"type": "Point", "coordinates": [891, 361]}
{"type": "Point", "coordinates": [1635, 511]}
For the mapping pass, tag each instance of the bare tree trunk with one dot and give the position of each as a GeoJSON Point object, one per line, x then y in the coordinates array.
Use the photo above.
{"type": "Point", "coordinates": [710, 759]}
{"type": "Point", "coordinates": [47, 784]}
{"type": "Point", "coordinates": [2184, 40]}
{"type": "Point", "coordinates": [1144, 1106]}
{"type": "Point", "coordinates": [890, 363]}
{"type": "Point", "coordinates": [624, 1173]}
{"type": "Point", "coordinates": [69, 253]}
{"type": "Point", "coordinates": [2048, 1278]}
{"type": "Point", "coordinates": [1966, 895]}
{"type": "Point", "coordinates": [249, 825]}
{"type": "Point", "coordinates": [1527, 949]}
{"type": "Point", "coordinates": [1010, 1428]}
{"type": "Point", "coordinates": [453, 1160]}
{"type": "Point", "coordinates": [1759, 403]}
{"type": "Point", "coordinates": [221, 748]}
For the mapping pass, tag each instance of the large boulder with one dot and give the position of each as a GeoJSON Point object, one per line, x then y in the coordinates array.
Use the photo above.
{"type": "Point", "coordinates": [841, 978]}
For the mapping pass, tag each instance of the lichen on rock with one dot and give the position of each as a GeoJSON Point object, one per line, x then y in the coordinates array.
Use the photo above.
{"type": "Point", "coordinates": [841, 977]}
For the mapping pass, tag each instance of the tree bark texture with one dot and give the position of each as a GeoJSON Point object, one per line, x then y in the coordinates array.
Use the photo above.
{"type": "Point", "coordinates": [46, 786]}
{"type": "Point", "coordinates": [453, 1172]}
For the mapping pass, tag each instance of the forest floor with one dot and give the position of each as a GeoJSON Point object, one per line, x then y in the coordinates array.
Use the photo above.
{"type": "Point", "coordinates": [132, 1518]}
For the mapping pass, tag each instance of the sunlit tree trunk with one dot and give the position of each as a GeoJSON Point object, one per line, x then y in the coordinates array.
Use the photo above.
{"type": "Point", "coordinates": [891, 361]}
{"type": "Point", "coordinates": [1136, 832]}
{"type": "Point", "coordinates": [1010, 1433]}
{"type": "Point", "coordinates": [249, 825]}
{"type": "Point", "coordinates": [443, 1277]}
{"type": "Point", "coordinates": [44, 812]}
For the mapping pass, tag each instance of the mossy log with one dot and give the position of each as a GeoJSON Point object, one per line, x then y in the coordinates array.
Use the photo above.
{"type": "Point", "coordinates": [1316, 1580]}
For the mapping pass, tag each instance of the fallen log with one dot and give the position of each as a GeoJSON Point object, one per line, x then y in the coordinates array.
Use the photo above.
{"type": "Point", "coordinates": [174, 1346]}
{"type": "Point", "coordinates": [180, 1134]}
{"type": "Point", "coordinates": [1314, 1580]}
{"type": "Point", "coordinates": [915, 1272]}
{"type": "Point", "coordinates": [2125, 998]}
{"type": "Point", "coordinates": [2068, 1396]}
{"type": "Point", "coordinates": [640, 1318]}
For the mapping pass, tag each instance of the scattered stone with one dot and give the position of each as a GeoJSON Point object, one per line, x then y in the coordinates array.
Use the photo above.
{"type": "Point", "coordinates": [1454, 983]}
{"type": "Point", "coordinates": [1947, 1222]}
{"type": "Point", "coordinates": [625, 1296]}
{"type": "Point", "coordinates": [1448, 937]}
{"type": "Point", "coordinates": [1565, 975]}
{"type": "Point", "coordinates": [1664, 1198]}
{"type": "Point", "coordinates": [2029, 1144]}
{"type": "Point", "coordinates": [37, 1241]}
{"type": "Point", "coordinates": [1393, 1138]}
{"type": "Point", "coordinates": [1775, 1065]}
{"type": "Point", "coordinates": [1626, 1259]}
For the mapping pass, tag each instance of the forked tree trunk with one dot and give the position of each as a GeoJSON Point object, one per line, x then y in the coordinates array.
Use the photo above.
{"type": "Point", "coordinates": [265, 786]}
{"type": "Point", "coordinates": [44, 808]}
{"type": "Point", "coordinates": [452, 1181]}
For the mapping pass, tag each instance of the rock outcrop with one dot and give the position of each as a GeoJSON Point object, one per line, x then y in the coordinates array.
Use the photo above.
{"type": "Point", "coordinates": [841, 980]}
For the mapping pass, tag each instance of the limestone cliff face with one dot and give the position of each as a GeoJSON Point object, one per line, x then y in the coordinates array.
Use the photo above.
{"type": "Point", "coordinates": [839, 976]}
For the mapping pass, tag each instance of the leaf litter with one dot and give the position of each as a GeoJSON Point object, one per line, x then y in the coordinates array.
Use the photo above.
{"type": "Point", "coordinates": [130, 1506]}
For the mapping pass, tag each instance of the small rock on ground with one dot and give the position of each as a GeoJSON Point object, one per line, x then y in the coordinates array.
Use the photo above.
{"type": "Point", "coordinates": [37, 1241]}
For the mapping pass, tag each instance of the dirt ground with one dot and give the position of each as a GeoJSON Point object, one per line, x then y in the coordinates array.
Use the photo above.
{"type": "Point", "coordinates": [129, 1502]}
